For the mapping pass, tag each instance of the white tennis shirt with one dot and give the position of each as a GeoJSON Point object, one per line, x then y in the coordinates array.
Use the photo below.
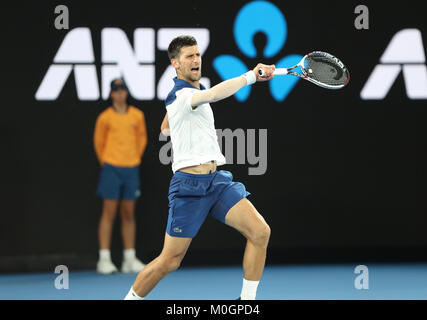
{"type": "Point", "coordinates": [193, 135]}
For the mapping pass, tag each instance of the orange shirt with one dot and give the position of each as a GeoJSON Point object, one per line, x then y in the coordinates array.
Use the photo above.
{"type": "Point", "coordinates": [120, 139]}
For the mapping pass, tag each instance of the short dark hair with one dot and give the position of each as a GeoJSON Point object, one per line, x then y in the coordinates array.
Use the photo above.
{"type": "Point", "coordinates": [176, 44]}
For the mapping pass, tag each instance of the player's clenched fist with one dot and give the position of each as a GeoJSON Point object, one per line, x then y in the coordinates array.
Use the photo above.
{"type": "Point", "coordinates": [267, 72]}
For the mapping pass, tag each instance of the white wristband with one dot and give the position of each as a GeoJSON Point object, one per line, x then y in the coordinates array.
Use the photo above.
{"type": "Point", "coordinates": [250, 77]}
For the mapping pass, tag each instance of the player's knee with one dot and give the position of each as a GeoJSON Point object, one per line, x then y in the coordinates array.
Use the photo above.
{"type": "Point", "coordinates": [174, 264]}
{"type": "Point", "coordinates": [260, 235]}
{"type": "Point", "coordinates": [170, 264]}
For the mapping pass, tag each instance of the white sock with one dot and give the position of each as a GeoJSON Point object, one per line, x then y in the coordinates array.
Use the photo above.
{"type": "Point", "coordinates": [104, 254]}
{"type": "Point", "coordinates": [132, 295]}
{"type": "Point", "coordinates": [129, 254]}
{"type": "Point", "coordinates": [249, 289]}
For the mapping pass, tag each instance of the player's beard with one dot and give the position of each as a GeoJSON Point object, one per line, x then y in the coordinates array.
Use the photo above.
{"type": "Point", "coordinates": [195, 77]}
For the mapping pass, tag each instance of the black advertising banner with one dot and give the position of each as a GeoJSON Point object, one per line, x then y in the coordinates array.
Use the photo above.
{"type": "Point", "coordinates": [219, 309]}
{"type": "Point", "coordinates": [337, 174]}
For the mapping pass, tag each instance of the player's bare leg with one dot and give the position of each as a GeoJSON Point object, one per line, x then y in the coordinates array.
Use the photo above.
{"type": "Point", "coordinates": [246, 219]}
{"type": "Point", "coordinates": [174, 250]}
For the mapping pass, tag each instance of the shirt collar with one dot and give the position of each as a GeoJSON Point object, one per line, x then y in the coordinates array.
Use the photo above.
{"type": "Point", "coordinates": [180, 83]}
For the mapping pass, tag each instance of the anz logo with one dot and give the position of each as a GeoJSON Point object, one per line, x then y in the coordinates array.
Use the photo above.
{"type": "Point", "coordinates": [75, 58]}
{"type": "Point", "coordinates": [404, 54]}
{"type": "Point", "coordinates": [136, 64]}
{"type": "Point", "coordinates": [246, 24]}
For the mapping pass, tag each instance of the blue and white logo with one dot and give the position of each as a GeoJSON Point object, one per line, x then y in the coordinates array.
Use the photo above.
{"type": "Point", "coordinates": [254, 17]}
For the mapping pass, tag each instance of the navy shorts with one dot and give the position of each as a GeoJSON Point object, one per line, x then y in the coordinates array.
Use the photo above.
{"type": "Point", "coordinates": [193, 197]}
{"type": "Point", "coordinates": [118, 183]}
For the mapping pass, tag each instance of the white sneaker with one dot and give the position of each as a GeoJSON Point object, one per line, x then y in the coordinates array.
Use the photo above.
{"type": "Point", "coordinates": [132, 266]}
{"type": "Point", "coordinates": [105, 267]}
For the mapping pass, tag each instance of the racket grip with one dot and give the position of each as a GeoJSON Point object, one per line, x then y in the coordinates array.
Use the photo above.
{"type": "Point", "coordinates": [277, 71]}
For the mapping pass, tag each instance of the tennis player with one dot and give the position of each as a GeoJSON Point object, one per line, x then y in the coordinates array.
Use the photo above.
{"type": "Point", "coordinates": [197, 189]}
{"type": "Point", "coordinates": [120, 139]}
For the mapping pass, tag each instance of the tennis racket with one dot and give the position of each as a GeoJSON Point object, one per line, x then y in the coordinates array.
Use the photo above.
{"type": "Point", "coordinates": [321, 68]}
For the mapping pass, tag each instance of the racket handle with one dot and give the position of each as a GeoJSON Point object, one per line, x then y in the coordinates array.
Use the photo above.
{"type": "Point", "coordinates": [278, 71]}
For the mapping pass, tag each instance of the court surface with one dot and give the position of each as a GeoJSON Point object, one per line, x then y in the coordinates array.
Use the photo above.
{"type": "Point", "coordinates": [307, 282]}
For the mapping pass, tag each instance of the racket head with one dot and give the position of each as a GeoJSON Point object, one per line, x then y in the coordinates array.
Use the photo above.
{"type": "Point", "coordinates": [325, 70]}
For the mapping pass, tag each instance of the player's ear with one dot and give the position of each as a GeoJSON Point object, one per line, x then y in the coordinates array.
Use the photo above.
{"type": "Point", "coordinates": [175, 63]}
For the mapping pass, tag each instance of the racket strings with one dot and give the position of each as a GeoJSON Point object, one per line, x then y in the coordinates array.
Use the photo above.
{"type": "Point", "coordinates": [325, 70]}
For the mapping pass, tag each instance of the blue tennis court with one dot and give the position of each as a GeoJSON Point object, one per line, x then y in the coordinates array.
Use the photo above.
{"type": "Point", "coordinates": [406, 281]}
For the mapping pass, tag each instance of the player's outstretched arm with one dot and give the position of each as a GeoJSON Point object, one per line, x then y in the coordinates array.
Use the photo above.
{"type": "Point", "coordinates": [231, 86]}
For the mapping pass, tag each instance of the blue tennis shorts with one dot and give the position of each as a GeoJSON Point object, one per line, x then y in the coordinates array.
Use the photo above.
{"type": "Point", "coordinates": [118, 183]}
{"type": "Point", "coordinates": [193, 197]}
